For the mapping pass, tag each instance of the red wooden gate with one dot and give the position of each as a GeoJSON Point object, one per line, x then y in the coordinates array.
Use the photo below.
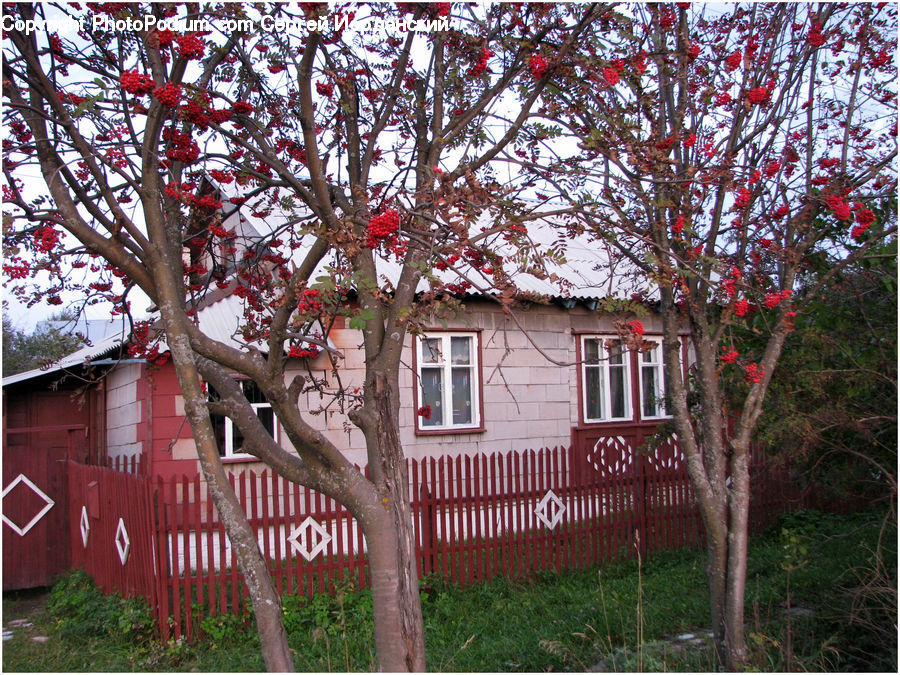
{"type": "Point", "coordinates": [35, 518]}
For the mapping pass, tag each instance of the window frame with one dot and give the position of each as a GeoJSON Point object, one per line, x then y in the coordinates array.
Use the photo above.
{"type": "Point", "coordinates": [603, 366]}
{"type": "Point", "coordinates": [660, 367]}
{"type": "Point", "coordinates": [634, 377]}
{"type": "Point", "coordinates": [229, 455]}
{"type": "Point", "coordinates": [476, 382]}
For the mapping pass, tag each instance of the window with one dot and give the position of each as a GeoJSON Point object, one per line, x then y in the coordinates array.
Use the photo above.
{"type": "Point", "coordinates": [607, 382]}
{"type": "Point", "coordinates": [653, 396]}
{"type": "Point", "coordinates": [615, 380]}
{"type": "Point", "coordinates": [228, 437]}
{"type": "Point", "coordinates": [449, 384]}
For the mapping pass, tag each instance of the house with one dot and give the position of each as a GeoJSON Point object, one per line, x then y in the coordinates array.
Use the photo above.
{"type": "Point", "coordinates": [551, 373]}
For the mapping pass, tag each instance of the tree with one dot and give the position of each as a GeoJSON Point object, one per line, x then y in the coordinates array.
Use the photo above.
{"type": "Point", "coordinates": [842, 356]}
{"type": "Point", "coordinates": [22, 352]}
{"type": "Point", "coordinates": [361, 148]}
{"type": "Point", "coordinates": [725, 151]}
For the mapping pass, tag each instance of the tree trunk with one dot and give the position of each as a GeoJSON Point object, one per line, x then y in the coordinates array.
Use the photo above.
{"type": "Point", "coordinates": [738, 526]}
{"type": "Point", "coordinates": [399, 629]}
{"type": "Point", "coordinates": [263, 594]}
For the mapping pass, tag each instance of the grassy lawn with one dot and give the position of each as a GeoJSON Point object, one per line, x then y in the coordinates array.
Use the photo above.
{"type": "Point", "coordinates": [843, 617]}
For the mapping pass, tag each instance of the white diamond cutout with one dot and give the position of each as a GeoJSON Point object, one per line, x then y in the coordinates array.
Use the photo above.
{"type": "Point", "coordinates": [550, 509]}
{"type": "Point", "coordinates": [300, 539]}
{"type": "Point", "coordinates": [85, 526]}
{"type": "Point", "coordinates": [123, 543]}
{"type": "Point", "coordinates": [48, 504]}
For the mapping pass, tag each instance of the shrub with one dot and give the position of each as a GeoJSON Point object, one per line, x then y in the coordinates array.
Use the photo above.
{"type": "Point", "coordinates": [81, 610]}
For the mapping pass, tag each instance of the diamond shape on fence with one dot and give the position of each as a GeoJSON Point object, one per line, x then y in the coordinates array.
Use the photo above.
{"type": "Point", "coordinates": [667, 455]}
{"type": "Point", "coordinates": [550, 509]}
{"type": "Point", "coordinates": [300, 538]}
{"type": "Point", "coordinates": [48, 504]}
{"type": "Point", "coordinates": [85, 526]}
{"type": "Point", "coordinates": [610, 455]}
{"type": "Point", "coordinates": [123, 543]}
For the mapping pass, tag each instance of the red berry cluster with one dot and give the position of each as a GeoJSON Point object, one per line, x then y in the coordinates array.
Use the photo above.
{"type": "Point", "coordinates": [758, 95]}
{"type": "Point", "coordinates": [839, 207]}
{"type": "Point", "coordinates": [538, 66]}
{"type": "Point", "coordinates": [424, 411]}
{"type": "Point", "coordinates": [325, 89]}
{"type": "Point", "coordinates": [753, 373]}
{"type": "Point", "coordinates": [190, 47]}
{"type": "Point", "coordinates": [46, 238]}
{"type": "Point", "coordinates": [309, 302]}
{"type": "Point", "coordinates": [165, 38]}
{"type": "Point", "coordinates": [197, 114]}
{"type": "Point", "coordinates": [773, 299]}
{"type": "Point", "coordinates": [219, 116]}
{"type": "Point", "coordinates": [729, 355]}
{"type": "Point", "coordinates": [184, 148]}
{"type": "Point", "coordinates": [864, 218]}
{"type": "Point", "coordinates": [242, 108]}
{"type": "Point", "coordinates": [169, 95]}
{"type": "Point", "coordinates": [481, 66]}
{"type": "Point", "coordinates": [636, 327]}
{"type": "Point", "coordinates": [611, 75]}
{"type": "Point", "coordinates": [136, 83]}
{"type": "Point", "coordinates": [383, 226]}
{"type": "Point", "coordinates": [207, 202]}
{"type": "Point", "coordinates": [733, 62]}
{"type": "Point", "coordinates": [300, 353]}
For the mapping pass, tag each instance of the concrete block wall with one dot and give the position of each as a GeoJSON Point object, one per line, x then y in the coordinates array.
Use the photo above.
{"type": "Point", "coordinates": [124, 409]}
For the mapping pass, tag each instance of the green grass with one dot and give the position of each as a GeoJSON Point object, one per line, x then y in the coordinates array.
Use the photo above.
{"type": "Point", "coordinates": [571, 621]}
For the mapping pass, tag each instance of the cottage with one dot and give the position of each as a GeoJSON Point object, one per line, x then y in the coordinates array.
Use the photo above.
{"type": "Point", "coordinates": [551, 373]}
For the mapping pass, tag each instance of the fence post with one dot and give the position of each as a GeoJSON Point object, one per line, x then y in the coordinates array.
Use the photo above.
{"type": "Point", "coordinates": [427, 518]}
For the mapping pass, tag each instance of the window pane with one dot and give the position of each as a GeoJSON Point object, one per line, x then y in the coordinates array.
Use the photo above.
{"type": "Point", "coordinates": [431, 396]}
{"type": "Point", "coordinates": [267, 417]}
{"type": "Point", "coordinates": [650, 391]}
{"type": "Point", "coordinates": [252, 392]}
{"type": "Point", "coordinates": [431, 350]}
{"type": "Point", "coordinates": [591, 349]}
{"type": "Point", "coordinates": [615, 353]}
{"type": "Point", "coordinates": [218, 425]}
{"type": "Point", "coordinates": [459, 351]}
{"type": "Point", "coordinates": [617, 391]}
{"type": "Point", "coordinates": [592, 384]}
{"type": "Point", "coordinates": [237, 439]}
{"type": "Point", "coordinates": [462, 396]}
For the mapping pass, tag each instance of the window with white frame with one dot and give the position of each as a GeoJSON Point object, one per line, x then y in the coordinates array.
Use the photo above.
{"type": "Point", "coordinates": [228, 436]}
{"type": "Point", "coordinates": [653, 393]}
{"type": "Point", "coordinates": [606, 380]}
{"type": "Point", "coordinates": [448, 381]}
{"type": "Point", "coordinates": [608, 371]}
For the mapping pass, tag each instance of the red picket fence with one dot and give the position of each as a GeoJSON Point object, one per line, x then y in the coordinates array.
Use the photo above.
{"type": "Point", "coordinates": [474, 518]}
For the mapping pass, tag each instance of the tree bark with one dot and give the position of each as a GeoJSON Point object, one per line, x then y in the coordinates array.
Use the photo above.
{"type": "Point", "coordinates": [399, 633]}
{"type": "Point", "coordinates": [264, 596]}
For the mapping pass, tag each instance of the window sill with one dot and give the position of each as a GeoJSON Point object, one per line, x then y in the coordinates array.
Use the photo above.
{"type": "Point", "coordinates": [450, 432]}
{"type": "Point", "coordinates": [240, 459]}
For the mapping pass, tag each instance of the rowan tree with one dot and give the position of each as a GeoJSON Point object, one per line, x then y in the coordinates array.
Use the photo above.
{"type": "Point", "coordinates": [727, 152]}
{"type": "Point", "coordinates": [359, 149]}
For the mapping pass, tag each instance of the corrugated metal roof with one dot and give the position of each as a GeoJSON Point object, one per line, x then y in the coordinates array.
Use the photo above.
{"type": "Point", "coordinates": [82, 356]}
{"type": "Point", "coordinates": [578, 268]}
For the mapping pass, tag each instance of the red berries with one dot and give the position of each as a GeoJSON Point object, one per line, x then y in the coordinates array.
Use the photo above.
{"type": "Point", "coordinates": [382, 227]}
{"type": "Point", "coordinates": [242, 108]}
{"type": "Point", "coordinates": [190, 47]}
{"type": "Point", "coordinates": [169, 95]}
{"type": "Point", "coordinates": [758, 95]}
{"type": "Point", "coordinates": [733, 62]}
{"type": "Point", "coordinates": [611, 75]}
{"type": "Point", "coordinates": [136, 83]}
{"type": "Point", "coordinates": [538, 66]}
